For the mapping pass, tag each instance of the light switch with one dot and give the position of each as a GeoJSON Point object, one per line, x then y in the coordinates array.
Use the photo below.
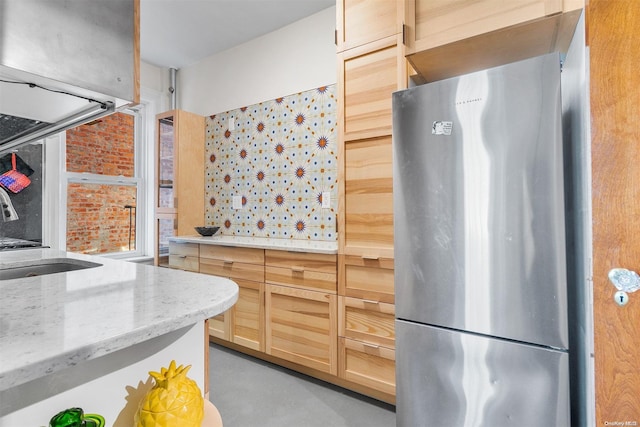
{"type": "Point", "coordinates": [232, 123]}
{"type": "Point", "coordinates": [237, 202]}
{"type": "Point", "coordinates": [326, 200]}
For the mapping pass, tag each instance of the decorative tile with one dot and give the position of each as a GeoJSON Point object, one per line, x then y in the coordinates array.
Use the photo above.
{"type": "Point", "coordinates": [280, 157]}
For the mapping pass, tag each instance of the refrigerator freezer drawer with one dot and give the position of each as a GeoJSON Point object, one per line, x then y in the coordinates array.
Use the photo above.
{"type": "Point", "coordinates": [452, 378]}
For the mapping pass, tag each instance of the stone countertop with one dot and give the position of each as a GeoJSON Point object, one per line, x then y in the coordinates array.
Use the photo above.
{"type": "Point", "coordinates": [55, 321]}
{"type": "Point", "coordinates": [291, 245]}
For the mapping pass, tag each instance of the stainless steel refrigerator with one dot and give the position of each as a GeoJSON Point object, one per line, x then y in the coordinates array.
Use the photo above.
{"type": "Point", "coordinates": [480, 271]}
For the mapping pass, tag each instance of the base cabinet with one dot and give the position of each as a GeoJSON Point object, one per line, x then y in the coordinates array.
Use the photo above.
{"type": "Point", "coordinates": [370, 365]}
{"type": "Point", "coordinates": [242, 324]}
{"type": "Point", "coordinates": [301, 327]}
{"type": "Point", "coordinates": [246, 324]}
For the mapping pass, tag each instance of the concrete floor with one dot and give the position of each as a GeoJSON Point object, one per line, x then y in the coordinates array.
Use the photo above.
{"type": "Point", "coordinates": [249, 393]}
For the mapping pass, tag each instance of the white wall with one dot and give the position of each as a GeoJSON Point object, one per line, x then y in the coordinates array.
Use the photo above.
{"type": "Point", "coordinates": [155, 79]}
{"type": "Point", "coordinates": [295, 58]}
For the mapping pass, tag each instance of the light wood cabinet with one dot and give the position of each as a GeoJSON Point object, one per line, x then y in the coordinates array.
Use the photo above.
{"type": "Point", "coordinates": [370, 69]}
{"type": "Point", "coordinates": [367, 77]}
{"type": "Point", "coordinates": [184, 256]}
{"type": "Point", "coordinates": [301, 327]}
{"type": "Point", "coordinates": [366, 353]}
{"type": "Point", "coordinates": [368, 198]}
{"type": "Point", "coordinates": [243, 324]}
{"type": "Point", "coordinates": [363, 21]}
{"type": "Point", "coordinates": [446, 38]}
{"type": "Point", "coordinates": [179, 183]}
{"type": "Point", "coordinates": [247, 316]}
{"type": "Point", "coordinates": [301, 308]}
{"type": "Point", "coordinates": [370, 365]}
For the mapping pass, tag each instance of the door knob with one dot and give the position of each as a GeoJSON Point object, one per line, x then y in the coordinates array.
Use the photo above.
{"type": "Point", "coordinates": [626, 281]}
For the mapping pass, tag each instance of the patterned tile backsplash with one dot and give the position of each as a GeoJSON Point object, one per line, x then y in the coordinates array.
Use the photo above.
{"type": "Point", "coordinates": [276, 160]}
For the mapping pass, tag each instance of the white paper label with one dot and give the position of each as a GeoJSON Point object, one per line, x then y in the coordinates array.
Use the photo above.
{"type": "Point", "coordinates": [441, 128]}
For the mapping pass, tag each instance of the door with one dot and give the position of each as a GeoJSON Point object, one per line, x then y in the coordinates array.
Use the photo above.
{"type": "Point", "coordinates": [613, 39]}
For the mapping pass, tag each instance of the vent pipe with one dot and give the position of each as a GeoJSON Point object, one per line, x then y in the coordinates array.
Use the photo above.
{"type": "Point", "coordinates": [172, 88]}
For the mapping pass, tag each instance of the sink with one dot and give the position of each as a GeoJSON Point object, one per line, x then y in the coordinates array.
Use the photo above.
{"type": "Point", "coordinates": [46, 266]}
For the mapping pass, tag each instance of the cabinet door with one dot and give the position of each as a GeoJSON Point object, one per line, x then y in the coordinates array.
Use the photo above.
{"type": "Point", "coordinates": [220, 325]}
{"type": "Point", "coordinates": [368, 200]}
{"type": "Point", "coordinates": [367, 321]}
{"type": "Point", "coordinates": [370, 365]}
{"type": "Point", "coordinates": [367, 77]}
{"type": "Point", "coordinates": [247, 316]}
{"type": "Point", "coordinates": [364, 21]}
{"type": "Point", "coordinates": [189, 157]}
{"type": "Point", "coordinates": [436, 23]}
{"type": "Point", "coordinates": [367, 278]}
{"type": "Point", "coordinates": [301, 327]}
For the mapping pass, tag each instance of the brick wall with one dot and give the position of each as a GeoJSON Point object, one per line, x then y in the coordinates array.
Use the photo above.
{"type": "Point", "coordinates": [97, 220]}
{"type": "Point", "coordinates": [104, 147]}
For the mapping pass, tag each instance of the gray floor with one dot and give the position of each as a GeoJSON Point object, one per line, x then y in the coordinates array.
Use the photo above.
{"type": "Point", "coordinates": [249, 392]}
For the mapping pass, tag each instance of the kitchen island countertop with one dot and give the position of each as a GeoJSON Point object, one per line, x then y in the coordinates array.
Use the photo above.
{"type": "Point", "coordinates": [52, 322]}
{"type": "Point", "coordinates": [291, 245]}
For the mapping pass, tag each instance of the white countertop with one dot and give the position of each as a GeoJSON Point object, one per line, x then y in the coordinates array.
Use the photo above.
{"type": "Point", "coordinates": [54, 321]}
{"type": "Point", "coordinates": [292, 245]}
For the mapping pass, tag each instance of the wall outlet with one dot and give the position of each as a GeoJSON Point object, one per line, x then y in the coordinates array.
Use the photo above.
{"type": "Point", "coordinates": [326, 200]}
{"type": "Point", "coordinates": [237, 202]}
{"type": "Point", "coordinates": [232, 123]}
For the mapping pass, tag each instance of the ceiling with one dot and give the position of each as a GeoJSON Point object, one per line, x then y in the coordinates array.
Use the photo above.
{"type": "Point", "coordinates": [177, 33]}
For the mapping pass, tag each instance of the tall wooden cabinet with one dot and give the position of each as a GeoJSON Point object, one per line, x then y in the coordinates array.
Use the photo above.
{"type": "Point", "coordinates": [371, 66]}
{"type": "Point", "coordinates": [179, 187]}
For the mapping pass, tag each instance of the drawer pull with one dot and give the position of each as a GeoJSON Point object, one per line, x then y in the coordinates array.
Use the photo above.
{"type": "Point", "coordinates": [370, 346]}
{"type": "Point", "coordinates": [228, 261]}
{"type": "Point", "coordinates": [370, 257]}
{"type": "Point", "coordinates": [297, 269]}
{"type": "Point", "coordinates": [368, 301]}
{"type": "Point", "coordinates": [182, 256]}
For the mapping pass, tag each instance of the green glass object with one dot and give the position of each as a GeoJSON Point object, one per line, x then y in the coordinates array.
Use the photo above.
{"type": "Point", "coordinates": [75, 417]}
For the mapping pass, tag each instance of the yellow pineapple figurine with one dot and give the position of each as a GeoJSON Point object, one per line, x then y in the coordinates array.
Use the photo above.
{"type": "Point", "coordinates": [174, 401]}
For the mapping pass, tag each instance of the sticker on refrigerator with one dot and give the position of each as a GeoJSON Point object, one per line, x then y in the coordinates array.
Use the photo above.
{"type": "Point", "coordinates": [441, 128]}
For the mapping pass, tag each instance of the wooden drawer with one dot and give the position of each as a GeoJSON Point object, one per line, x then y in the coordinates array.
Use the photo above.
{"type": "Point", "coordinates": [233, 270]}
{"type": "Point", "coordinates": [247, 319]}
{"type": "Point", "coordinates": [228, 253]}
{"type": "Point", "coordinates": [369, 365]}
{"type": "Point", "coordinates": [183, 256]}
{"type": "Point", "coordinates": [302, 269]}
{"type": "Point", "coordinates": [325, 263]}
{"type": "Point", "coordinates": [299, 277]}
{"type": "Point", "coordinates": [368, 278]}
{"type": "Point", "coordinates": [186, 249]}
{"type": "Point", "coordinates": [367, 321]}
{"type": "Point", "coordinates": [182, 262]}
{"type": "Point", "coordinates": [301, 327]}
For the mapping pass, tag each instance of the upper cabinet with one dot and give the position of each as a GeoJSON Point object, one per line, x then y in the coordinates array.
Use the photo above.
{"type": "Point", "coordinates": [445, 38]}
{"type": "Point", "coordinates": [363, 21]}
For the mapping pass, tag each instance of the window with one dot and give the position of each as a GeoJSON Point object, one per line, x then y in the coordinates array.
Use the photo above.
{"type": "Point", "coordinates": [104, 184]}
